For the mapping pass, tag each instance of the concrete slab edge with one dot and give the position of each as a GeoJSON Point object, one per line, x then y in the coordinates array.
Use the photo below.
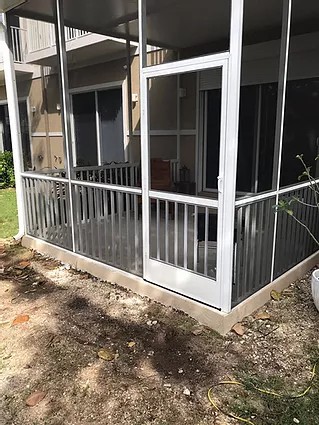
{"type": "Point", "coordinates": [215, 319]}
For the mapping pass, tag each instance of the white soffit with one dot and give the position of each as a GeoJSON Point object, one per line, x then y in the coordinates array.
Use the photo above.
{"type": "Point", "coordinates": [173, 23]}
{"type": "Point", "coordinates": [6, 5]}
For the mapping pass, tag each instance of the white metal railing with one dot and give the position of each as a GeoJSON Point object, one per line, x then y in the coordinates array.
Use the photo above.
{"type": "Point", "coordinates": [72, 33]}
{"type": "Point", "coordinates": [270, 194]}
{"type": "Point", "coordinates": [124, 174]}
{"type": "Point", "coordinates": [19, 47]}
{"type": "Point", "coordinates": [41, 35]}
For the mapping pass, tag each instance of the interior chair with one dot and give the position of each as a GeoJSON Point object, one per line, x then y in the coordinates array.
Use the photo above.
{"type": "Point", "coordinates": [161, 176]}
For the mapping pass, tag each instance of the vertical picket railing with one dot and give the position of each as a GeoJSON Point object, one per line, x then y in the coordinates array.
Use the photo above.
{"type": "Point", "coordinates": [126, 174]}
{"type": "Point", "coordinates": [18, 44]}
{"type": "Point", "coordinates": [254, 227]}
{"type": "Point", "coordinates": [293, 241]}
{"type": "Point", "coordinates": [41, 35]}
{"type": "Point", "coordinates": [254, 236]}
{"type": "Point", "coordinates": [108, 225]}
{"type": "Point", "coordinates": [48, 211]}
{"type": "Point", "coordinates": [184, 234]}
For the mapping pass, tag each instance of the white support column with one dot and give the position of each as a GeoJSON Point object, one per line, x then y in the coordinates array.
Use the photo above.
{"type": "Point", "coordinates": [14, 117]}
{"type": "Point", "coordinates": [178, 114]}
{"type": "Point", "coordinates": [129, 98]}
{"type": "Point", "coordinates": [280, 118]}
{"type": "Point", "coordinates": [98, 130]}
{"type": "Point", "coordinates": [66, 103]}
{"type": "Point", "coordinates": [227, 182]}
{"type": "Point", "coordinates": [144, 110]}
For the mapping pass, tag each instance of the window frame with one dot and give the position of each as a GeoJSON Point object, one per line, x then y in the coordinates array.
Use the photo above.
{"type": "Point", "coordinates": [95, 89]}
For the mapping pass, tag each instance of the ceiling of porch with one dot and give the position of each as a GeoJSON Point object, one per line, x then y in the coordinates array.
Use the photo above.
{"type": "Point", "coordinates": [175, 23]}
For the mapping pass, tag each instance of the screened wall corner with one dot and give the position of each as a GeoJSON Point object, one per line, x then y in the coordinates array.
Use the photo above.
{"type": "Point", "coordinates": [277, 124]}
{"type": "Point", "coordinates": [169, 165]}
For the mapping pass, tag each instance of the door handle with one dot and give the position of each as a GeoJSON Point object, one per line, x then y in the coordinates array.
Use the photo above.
{"type": "Point", "coordinates": [220, 184]}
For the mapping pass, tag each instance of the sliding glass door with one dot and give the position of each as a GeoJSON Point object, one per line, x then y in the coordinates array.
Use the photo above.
{"type": "Point", "coordinates": [85, 129]}
{"type": "Point", "coordinates": [110, 111]}
{"type": "Point", "coordinates": [98, 127]}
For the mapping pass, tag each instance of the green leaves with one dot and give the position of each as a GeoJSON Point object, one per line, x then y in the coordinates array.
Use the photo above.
{"type": "Point", "coordinates": [285, 206]}
{"type": "Point", "coordinates": [6, 170]}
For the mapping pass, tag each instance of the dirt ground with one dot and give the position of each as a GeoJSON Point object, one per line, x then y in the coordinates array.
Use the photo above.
{"type": "Point", "coordinates": [161, 362]}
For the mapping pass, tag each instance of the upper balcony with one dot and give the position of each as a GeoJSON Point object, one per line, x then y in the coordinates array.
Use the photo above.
{"type": "Point", "coordinates": [42, 45]}
{"type": "Point", "coordinates": [19, 47]}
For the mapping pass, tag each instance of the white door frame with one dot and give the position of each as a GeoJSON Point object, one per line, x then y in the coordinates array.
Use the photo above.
{"type": "Point", "coordinates": [195, 286]}
{"type": "Point", "coordinates": [231, 64]}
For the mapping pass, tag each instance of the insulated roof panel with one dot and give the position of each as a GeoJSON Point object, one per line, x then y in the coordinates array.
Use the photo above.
{"type": "Point", "coordinates": [174, 23]}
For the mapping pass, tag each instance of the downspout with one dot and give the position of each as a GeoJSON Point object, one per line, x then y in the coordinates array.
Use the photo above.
{"type": "Point", "coordinates": [14, 119]}
{"type": "Point", "coordinates": [46, 116]}
{"type": "Point", "coordinates": [129, 97]}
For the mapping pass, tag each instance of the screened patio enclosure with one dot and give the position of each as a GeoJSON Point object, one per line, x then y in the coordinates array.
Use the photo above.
{"type": "Point", "coordinates": [176, 179]}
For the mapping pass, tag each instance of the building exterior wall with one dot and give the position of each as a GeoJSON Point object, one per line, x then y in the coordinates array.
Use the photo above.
{"type": "Point", "coordinates": [3, 95]}
{"type": "Point", "coordinates": [43, 98]}
{"type": "Point", "coordinates": [260, 64]}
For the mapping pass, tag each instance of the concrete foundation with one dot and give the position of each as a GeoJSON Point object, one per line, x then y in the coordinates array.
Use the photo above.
{"type": "Point", "coordinates": [219, 321]}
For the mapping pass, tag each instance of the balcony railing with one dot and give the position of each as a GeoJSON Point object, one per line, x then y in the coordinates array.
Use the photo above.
{"type": "Point", "coordinates": [19, 46]}
{"type": "Point", "coordinates": [41, 35]}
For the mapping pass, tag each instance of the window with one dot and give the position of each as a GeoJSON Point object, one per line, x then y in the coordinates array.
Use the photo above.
{"type": "Point", "coordinates": [301, 129]}
{"type": "Point", "coordinates": [98, 127]}
{"type": "Point", "coordinates": [257, 120]}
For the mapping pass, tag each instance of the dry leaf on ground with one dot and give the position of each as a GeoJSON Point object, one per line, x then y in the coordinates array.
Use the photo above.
{"type": "Point", "coordinates": [197, 331]}
{"type": "Point", "coordinates": [23, 265]}
{"type": "Point", "coordinates": [35, 398]}
{"type": "Point", "coordinates": [238, 329]}
{"type": "Point", "coordinates": [106, 354]}
{"type": "Point", "coordinates": [275, 295]}
{"type": "Point", "coordinates": [22, 318]}
{"type": "Point", "coordinates": [263, 315]}
{"type": "Point", "coordinates": [131, 344]}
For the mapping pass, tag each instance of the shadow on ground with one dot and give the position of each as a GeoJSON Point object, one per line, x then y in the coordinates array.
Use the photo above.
{"type": "Point", "coordinates": [161, 371]}
{"type": "Point", "coordinates": [73, 316]}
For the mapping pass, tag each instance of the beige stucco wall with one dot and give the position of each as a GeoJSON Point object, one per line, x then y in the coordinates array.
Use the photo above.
{"type": "Point", "coordinates": [164, 147]}
{"type": "Point", "coordinates": [136, 90]}
{"type": "Point", "coordinates": [98, 74]}
{"type": "Point", "coordinates": [188, 102]}
{"type": "Point", "coordinates": [188, 154]}
{"type": "Point", "coordinates": [53, 100]}
{"type": "Point", "coordinates": [163, 103]}
{"type": "Point", "coordinates": [40, 153]}
{"type": "Point", "coordinates": [47, 151]}
{"type": "Point", "coordinates": [3, 95]}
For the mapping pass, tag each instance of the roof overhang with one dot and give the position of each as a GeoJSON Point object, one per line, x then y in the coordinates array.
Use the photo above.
{"type": "Point", "coordinates": [176, 24]}
{"type": "Point", "coordinates": [7, 5]}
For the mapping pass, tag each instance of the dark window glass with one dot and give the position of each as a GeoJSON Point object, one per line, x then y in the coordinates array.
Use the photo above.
{"type": "Point", "coordinates": [85, 129]}
{"type": "Point", "coordinates": [111, 122]}
{"type": "Point", "coordinates": [247, 148]}
{"type": "Point", "coordinates": [213, 137]}
{"type": "Point", "coordinates": [301, 129]}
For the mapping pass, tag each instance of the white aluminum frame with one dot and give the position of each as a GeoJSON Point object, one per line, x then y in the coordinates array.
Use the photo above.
{"type": "Point", "coordinates": [174, 278]}
{"type": "Point", "coordinates": [66, 104]}
{"type": "Point", "coordinates": [281, 103]}
{"type": "Point", "coordinates": [14, 118]}
{"type": "Point", "coordinates": [230, 62]}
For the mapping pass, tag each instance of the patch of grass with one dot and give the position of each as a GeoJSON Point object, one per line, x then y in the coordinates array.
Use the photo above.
{"type": "Point", "coordinates": [8, 213]}
{"type": "Point", "coordinates": [264, 409]}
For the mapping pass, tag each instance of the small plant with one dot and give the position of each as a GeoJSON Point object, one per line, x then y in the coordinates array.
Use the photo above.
{"type": "Point", "coordinates": [6, 170]}
{"type": "Point", "coordinates": [285, 205]}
